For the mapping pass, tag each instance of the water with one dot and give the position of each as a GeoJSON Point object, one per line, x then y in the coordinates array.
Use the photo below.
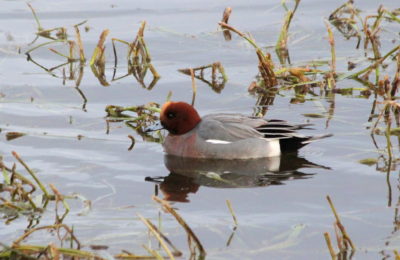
{"type": "Point", "coordinates": [67, 143]}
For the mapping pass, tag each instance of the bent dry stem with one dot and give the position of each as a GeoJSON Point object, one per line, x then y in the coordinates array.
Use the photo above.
{"type": "Point", "coordinates": [342, 237]}
{"type": "Point", "coordinates": [217, 82]}
{"type": "Point", "coordinates": [98, 60]}
{"type": "Point", "coordinates": [37, 180]}
{"type": "Point", "coordinates": [182, 222]}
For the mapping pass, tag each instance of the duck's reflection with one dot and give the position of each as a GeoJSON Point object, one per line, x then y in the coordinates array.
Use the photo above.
{"type": "Point", "coordinates": [187, 174]}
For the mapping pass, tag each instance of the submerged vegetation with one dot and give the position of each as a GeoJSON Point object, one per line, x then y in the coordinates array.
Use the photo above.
{"type": "Point", "coordinates": [24, 195]}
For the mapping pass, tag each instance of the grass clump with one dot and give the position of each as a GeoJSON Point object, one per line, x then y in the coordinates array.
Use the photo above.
{"type": "Point", "coordinates": [138, 59]}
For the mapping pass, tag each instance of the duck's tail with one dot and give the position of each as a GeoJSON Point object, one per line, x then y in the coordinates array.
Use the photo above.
{"type": "Point", "coordinates": [315, 138]}
{"type": "Point", "coordinates": [296, 142]}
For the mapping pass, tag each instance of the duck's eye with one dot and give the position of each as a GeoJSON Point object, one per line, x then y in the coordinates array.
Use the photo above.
{"type": "Point", "coordinates": [171, 115]}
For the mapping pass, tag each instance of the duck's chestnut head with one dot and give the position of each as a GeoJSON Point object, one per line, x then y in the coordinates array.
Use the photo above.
{"type": "Point", "coordinates": [178, 117]}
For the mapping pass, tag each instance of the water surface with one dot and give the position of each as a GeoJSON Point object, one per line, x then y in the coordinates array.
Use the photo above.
{"type": "Point", "coordinates": [67, 142]}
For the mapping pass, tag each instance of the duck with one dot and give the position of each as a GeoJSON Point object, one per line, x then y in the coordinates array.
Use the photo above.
{"type": "Point", "coordinates": [228, 135]}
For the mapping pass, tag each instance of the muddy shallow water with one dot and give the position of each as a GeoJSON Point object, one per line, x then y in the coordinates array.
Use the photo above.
{"type": "Point", "coordinates": [67, 142]}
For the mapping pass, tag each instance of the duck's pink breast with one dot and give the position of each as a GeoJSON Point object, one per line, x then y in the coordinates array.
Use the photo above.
{"type": "Point", "coordinates": [182, 145]}
{"type": "Point", "coordinates": [193, 146]}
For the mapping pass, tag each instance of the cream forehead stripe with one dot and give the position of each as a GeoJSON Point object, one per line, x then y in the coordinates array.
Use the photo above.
{"type": "Point", "coordinates": [215, 141]}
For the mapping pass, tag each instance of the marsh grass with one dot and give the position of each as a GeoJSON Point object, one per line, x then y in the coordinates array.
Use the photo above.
{"type": "Point", "coordinates": [387, 116]}
{"type": "Point", "coordinates": [138, 59]}
{"type": "Point", "coordinates": [16, 194]}
{"type": "Point", "coordinates": [61, 36]}
{"type": "Point", "coordinates": [346, 19]}
{"type": "Point", "coordinates": [331, 77]}
{"type": "Point", "coordinates": [19, 195]}
{"type": "Point", "coordinates": [349, 22]}
{"type": "Point", "coordinates": [282, 43]}
{"type": "Point", "coordinates": [60, 32]}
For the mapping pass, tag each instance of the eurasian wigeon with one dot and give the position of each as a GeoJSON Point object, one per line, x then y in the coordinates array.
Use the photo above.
{"type": "Point", "coordinates": [227, 136]}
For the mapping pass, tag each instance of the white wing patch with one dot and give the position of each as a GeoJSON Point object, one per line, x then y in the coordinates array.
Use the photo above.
{"type": "Point", "coordinates": [215, 141]}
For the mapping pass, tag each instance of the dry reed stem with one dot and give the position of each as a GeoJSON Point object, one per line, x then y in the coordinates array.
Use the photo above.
{"type": "Point", "coordinates": [141, 29]}
{"type": "Point", "coordinates": [396, 254]}
{"type": "Point", "coordinates": [79, 254]}
{"type": "Point", "coordinates": [15, 174]}
{"type": "Point", "coordinates": [339, 224]}
{"type": "Point", "coordinates": [216, 66]}
{"type": "Point", "coordinates": [138, 43]}
{"type": "Point", "coordinates": [41, 45]}
{"type": "Point", "coordinates": [97, 62]}
{"type": "Point", "coordinates": [332, 44]}
{"type": "Point", "coordinates": [80, 44]}
{"type": "Point", "coordinates": [339, 238]}
{"type": "Point", "coordinates": [330, 77]}
{"type": "Point", "coordinates": [244, 36]}
{"type": "Point", "coordinates": [396, 80]}
{"type": "Point", "coordinates": [70, 58]}
{"type": "Point", "coordinates": [191, 234]}
{"type": "Point", "coordinates": [10, 205]}
{"type": "Point", "coordinates": [157, 235]}
{"type": "Point", "coordinates": [139, 59]}
{"type": "Point", "coordinates": [132, 142]}
{"type": "Point", "coordinates": [226, 15]}
{"type": "Point", "coordinates": [129, 256]}
{"type": "Point", "coordinates": [233, 29]}
{"type": "Point", "coordinates": [329, 244]}
{"type": "Point", "coordinates": [194, 87]}
{"type": "Point", "coordinates": [154, 253]}
{"type": "Point", "coordinates": [228, 203]}
{"type": "Point", "coordinates": [176, 251]}
{"type": "Point", "coordinates": [283, 36]}
{"type": "Point", "coordinates": [154, 72]}
{"type": "Point", "coordinates": [265, 65]}
{"type": "Point", "coordinates": [42, 187]}
{"type": "Point", "coordinates": [17, 253]}
{"type": "Point", "coordinates": [59, 197]}
{"type": "Point", "coordinates": [98, 52]}
{"type": "Point", "coordinates": [54, 252]}
{"type": "Point", "coordinates": [40, 28]}
{"type": "Point", "coordinates": [225, 19]}
{"type": "Point", "coordinates": [375, 64]}
{"type": "Point", "coordinates": [299, 73]}
{"type": "Point", "coordinates": [387, 104]}
{"type": "Point", "coordinates": [57, 227]}
{"type": "Point", "coordinates": [371, 35]}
